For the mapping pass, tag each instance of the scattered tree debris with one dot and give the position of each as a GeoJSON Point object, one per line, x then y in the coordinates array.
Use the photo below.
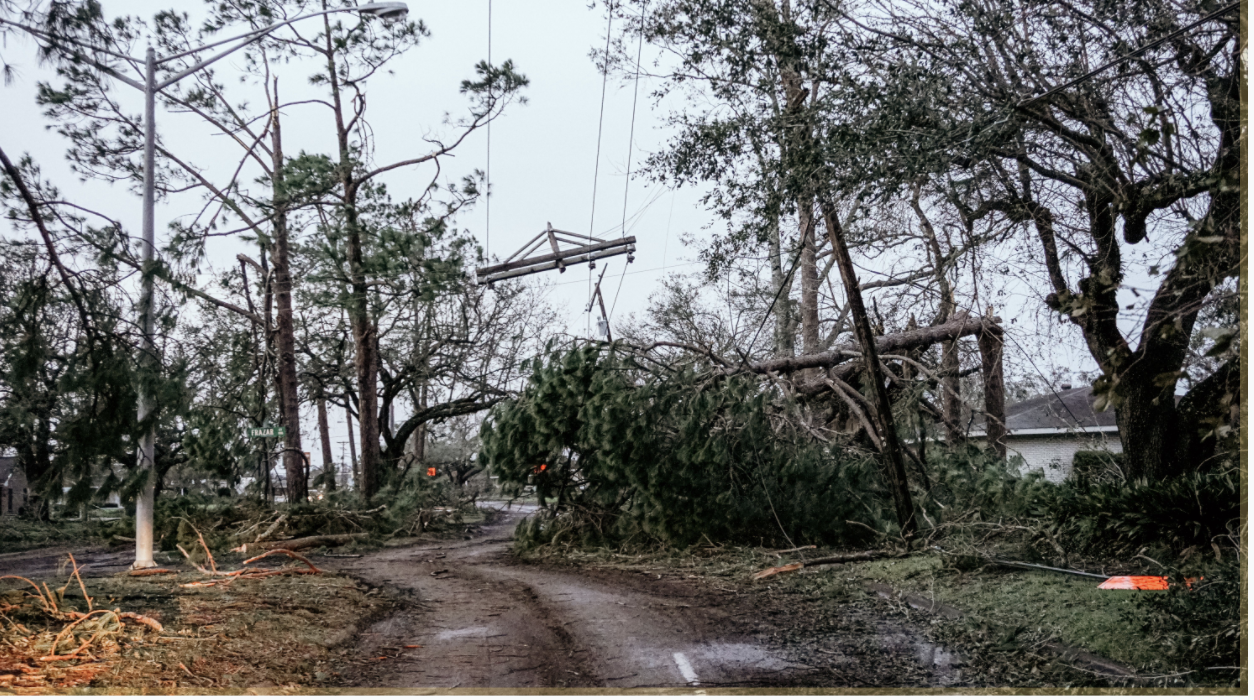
{"type": "Point", "coordinates": [149, 572]}
{"type": "Point", "coordinates": [834, 559]}
{"type": "Point", "coordinates": [81, 636]}
{"type": "Point", "coordinates": [300, 542]}
{"type": "Point", "coordinates": [777, 570]}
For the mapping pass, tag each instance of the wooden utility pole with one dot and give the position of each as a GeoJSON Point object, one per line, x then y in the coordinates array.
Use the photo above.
{"type": "Point", "coordinates": [890, 445]}
{"type": "Point", "coordinates": [597, 297]}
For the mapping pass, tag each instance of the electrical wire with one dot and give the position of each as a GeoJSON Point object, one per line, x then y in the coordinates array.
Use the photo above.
{"type": "Point", "coordinates": [631, 134]}
{"type": "Point", "coordinates": [596, 170]}
{"type": "Point", "coordinates": [631, 142]}
{"type": "Point", "coordinates": [487, 244]}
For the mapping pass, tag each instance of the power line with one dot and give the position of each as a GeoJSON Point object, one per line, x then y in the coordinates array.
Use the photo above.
{"type": "Point", "coordinates": [487, 244]}
{"type": "Point", "coordinates": [596, 171]}
{"type": "Point", "coordinates": [631, 134]}
{"type": "Point", "coordinates": [631, 142]}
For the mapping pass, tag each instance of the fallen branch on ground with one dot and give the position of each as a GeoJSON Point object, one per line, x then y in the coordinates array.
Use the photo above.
{"type": "Point", "coordinates": [86, 633]}
{"type": "Point", "coordinates": [300, 542]}
{"type": "Point", "coordinates": [870, 555]}
{"type": "Point", "coordinates": [289, 553]}
{"type": "Point", "coordinates": [149, 572]}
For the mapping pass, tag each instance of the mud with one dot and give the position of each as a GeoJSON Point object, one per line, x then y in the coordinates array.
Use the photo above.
{"type": "Point", "coordinates": [479, 617]}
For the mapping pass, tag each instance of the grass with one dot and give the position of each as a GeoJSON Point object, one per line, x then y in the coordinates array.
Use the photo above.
{"type": "Point", "coordinates": [1069, 609]}
{"type": "Point", "coordinates": [19, 534]}
{"type": "Point", "coordinates": [1010, 613]}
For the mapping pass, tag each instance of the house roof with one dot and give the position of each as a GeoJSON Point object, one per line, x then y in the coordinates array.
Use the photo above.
{"type": "Point", "coordinates": [1061, 411]}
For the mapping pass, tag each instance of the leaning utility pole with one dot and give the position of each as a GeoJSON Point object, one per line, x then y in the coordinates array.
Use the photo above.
{"type": "Point", "coordinates": [890, 443]}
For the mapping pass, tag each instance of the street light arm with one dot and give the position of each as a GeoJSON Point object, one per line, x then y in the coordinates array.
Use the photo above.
{"type": "Point", "coordinates": [244, 39]}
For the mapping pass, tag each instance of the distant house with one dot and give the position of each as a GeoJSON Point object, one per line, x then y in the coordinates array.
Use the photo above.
{"type": "Point", "coordinates": [1047, 431]}
{"type": "Point", "coordinates": [13, 489]}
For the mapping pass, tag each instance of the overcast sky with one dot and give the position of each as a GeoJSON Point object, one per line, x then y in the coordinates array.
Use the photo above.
{"type": "Point", "coordinates": [544, 153]}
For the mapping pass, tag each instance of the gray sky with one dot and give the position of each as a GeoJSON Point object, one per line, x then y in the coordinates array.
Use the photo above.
{"type": "Point", "coordinates": [543, 153]}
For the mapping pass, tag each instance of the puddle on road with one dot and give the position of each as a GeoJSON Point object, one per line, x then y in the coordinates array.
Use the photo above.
{"type": "Point", "coordinates": [463, 632]}
{"type": "Point", "coordinates": [733, 656]}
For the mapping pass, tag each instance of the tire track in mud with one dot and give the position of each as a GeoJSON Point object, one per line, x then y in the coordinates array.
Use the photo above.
{"type": "Point", "coordinates": [480, 618]}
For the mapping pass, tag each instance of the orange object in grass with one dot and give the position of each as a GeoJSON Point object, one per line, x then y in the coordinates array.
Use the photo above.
{"type": "Point", "coordinates": [1135, 583]}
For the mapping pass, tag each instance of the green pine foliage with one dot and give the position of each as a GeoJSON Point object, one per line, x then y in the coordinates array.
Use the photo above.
{"type": "Point", "coordinates": [627, 455]}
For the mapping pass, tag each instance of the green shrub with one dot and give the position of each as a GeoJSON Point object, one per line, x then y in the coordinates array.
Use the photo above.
{"type": "Point", "coordinates": [1097, 466]}
{"type": "Point", "coordinates": [979, 485]}
{"type": "Point", "coordinates": [1198, 622]}
{"type": "Point", "coordinates": [1117, 517]}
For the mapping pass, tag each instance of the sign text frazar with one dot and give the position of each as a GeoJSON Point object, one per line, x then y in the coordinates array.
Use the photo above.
{"type": "Point", "coordinates": [269, 431]}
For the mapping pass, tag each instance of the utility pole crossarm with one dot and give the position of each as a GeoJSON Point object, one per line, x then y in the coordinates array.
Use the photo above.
{"type": "Point", "coordinates": [568, 249]}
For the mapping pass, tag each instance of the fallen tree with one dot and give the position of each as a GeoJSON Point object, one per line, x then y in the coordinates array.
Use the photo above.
{"type": "Point", "coordinates": [843, 362]}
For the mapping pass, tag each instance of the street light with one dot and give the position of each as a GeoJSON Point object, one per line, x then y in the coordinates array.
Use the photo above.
{"type": "Point", "coordinates": [150, 87]}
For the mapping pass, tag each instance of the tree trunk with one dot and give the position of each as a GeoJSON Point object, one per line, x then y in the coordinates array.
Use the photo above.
{"type": "Point", "coordinates": [958, 327]}
{"type": "Point", "coordinates": [352, 446]}
{"type": "Point", "coordinates": [994, 389]}
{"type": "Point", "coordinates": [324, 432]}
{"type": "Point", "coordinates": [289, 409]}
{"type": "Point", "coordinates": [808, 269]}
{"type": "Point", "coordinates": [890, 445]}
{"type": "Point", "coordinates": [364, 331]}
{"type": "Point", "coordinates": [951, 403]}
{"type": "Point", "coordinates": [784, 342]}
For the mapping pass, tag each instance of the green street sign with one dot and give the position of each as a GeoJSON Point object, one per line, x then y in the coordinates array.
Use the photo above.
{"type": "Point", "coordinates": [270, 431]}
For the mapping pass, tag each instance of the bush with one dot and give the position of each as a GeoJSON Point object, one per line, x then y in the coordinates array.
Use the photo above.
{"type": "Point", "coordinates": [1198, 618]}
{"type": "Point", "coordinates": [1097, 466]}
{"type": "Point", "coordinates": [1117, 517]}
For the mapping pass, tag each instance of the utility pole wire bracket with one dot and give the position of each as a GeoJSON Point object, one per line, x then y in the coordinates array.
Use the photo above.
{"type": "Point", "coordinates": [568, 249]}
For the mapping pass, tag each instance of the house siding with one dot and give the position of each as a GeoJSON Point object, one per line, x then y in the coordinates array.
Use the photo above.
{"type": "Point", "coordinates": [1053, 454]}
{"type": "Point", "coordinates": [13, 488]}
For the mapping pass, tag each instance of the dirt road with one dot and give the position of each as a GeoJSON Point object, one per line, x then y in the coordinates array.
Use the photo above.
{"type": "Point", "coordinates": [478, 617]}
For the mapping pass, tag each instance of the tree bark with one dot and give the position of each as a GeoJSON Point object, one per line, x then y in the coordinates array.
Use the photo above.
{"type": "Point", "coordinates": [364, 331]}
{"type": "Point", "coordinates": [293, 453]}
{"type": "Point", "coordinates": [352, 446]}
{"type": "Point", "coordinates": [324, 432]}
{"type": "Point", "coordinates": [784, 331]}
{"type": "Point", "coordinates": [994, 389]}
{"type": "Point", "coordinates": [959, 326]}
{"type": "Point", "coordinates": [808, 269]}
{"type": "Point", "coordinates": [951, 403]}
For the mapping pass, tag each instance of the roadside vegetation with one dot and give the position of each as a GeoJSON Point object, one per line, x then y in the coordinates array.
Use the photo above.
{"type": "Point", "coordinates": [650, 466]}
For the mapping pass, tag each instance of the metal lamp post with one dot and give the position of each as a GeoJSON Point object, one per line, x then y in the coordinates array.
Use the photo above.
{"type": "Point", "coordinates": [150, 87]}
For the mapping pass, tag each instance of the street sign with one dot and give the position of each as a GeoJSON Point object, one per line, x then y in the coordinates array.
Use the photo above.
{"type": "Point", "coordinates": [269, 431]}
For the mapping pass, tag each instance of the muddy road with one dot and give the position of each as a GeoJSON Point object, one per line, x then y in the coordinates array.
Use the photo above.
{"type": "Point", "coordinates": [476, 616]}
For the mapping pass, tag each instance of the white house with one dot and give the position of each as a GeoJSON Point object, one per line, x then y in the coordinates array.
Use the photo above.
{"type": "Point", "coordinates": [13, 489]}
{"type": "Point", "coordinates": [1048, 430]}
